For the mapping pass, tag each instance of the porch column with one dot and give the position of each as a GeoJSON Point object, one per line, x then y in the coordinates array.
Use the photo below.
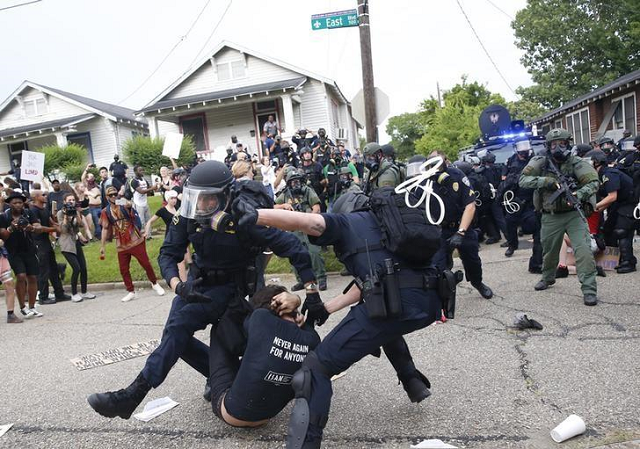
{"type": "Point", "coordinates": [153, 127]}
{"type": "Point", "coordinates": [61, 139]}
{"type": "Point", "coordinates": [287, 107]}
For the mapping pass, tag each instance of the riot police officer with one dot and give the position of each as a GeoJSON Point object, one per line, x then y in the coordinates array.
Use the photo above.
{"type": "Point", "coordinates": [616, 195]}
{"type": "Point", "coordinates": [459, 208]}
{"type": "Point", "coordinates": [322, 149]}
{"type": "Point", "coordinates": [228, 160]}
{"type": "Point", "coordinates": [222, 272]}
{"type": "Point", "coordinates": [297, 196]}
{"type": "Point", "coordinates": [358, 334]}
{"type": "Point", "coordinates": [608, 146]}
{"type": "Point", "coordinates": [390, 154]}
{"type": "Point", "coordinates": [381, 172]}
{"type": "Point", "coordinates": [312, 170]}
{"type": "Point", "coordinates": [560, 217]}
{"type": "Point", "coordinates": [518, 205]}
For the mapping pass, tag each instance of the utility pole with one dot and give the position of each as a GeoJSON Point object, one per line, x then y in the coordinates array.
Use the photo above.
{"type": "Point", "coordinates": [439, 98]}
{"type": "Point", "coordinates": [368, 88]}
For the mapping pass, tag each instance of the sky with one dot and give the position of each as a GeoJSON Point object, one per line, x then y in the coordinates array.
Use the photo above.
{"type": "Point", "coordinates": [107, 49]}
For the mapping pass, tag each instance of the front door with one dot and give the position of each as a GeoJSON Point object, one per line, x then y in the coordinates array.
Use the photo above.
{"type": "Point", "coordinates": [196, 127]}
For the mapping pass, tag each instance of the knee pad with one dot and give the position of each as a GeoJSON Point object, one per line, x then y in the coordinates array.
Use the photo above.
{"type": "Point", "coordinates": [620, 233]}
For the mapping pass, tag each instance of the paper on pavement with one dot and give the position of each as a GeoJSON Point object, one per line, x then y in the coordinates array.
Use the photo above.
{"type": "Point", "coordinates": [155, 408]}
{"type": "Point", "coordinates": [5, 428]}
{"type": "Point", "coordinates": [433, 444]}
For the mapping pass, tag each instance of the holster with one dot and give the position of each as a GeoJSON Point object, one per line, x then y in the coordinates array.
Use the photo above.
{"type": "Point", "coordinates": [373, 296]}
{"type": "Point", "coordinates": [447, 284]}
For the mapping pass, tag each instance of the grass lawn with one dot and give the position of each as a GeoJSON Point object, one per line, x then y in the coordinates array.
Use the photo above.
{"type": "Point", "coordinates": [107, 270]}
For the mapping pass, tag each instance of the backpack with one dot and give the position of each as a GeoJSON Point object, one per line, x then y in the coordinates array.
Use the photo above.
{"type": "Point", "coordinates": [406, 232]}
{"type": "Point", "coordinates": [128, 189]}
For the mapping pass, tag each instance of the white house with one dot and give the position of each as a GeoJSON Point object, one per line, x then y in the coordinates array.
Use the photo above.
{"type": "Point", "coordinates": [233, 90]}
{"type": "Point", "coordinates": [36, 115]}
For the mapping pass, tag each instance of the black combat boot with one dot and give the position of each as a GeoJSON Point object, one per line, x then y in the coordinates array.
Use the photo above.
{"type": "Point", "coordinates": [627, 261]}
{"type": "Point", "coordinates": [590, 300]}
{"type": "Point", "coordinates": [484, 290]}
{"type": "Point", "coordinates": [417, 387]}
{"type": "Point", "coordinates": [509, 252]}
{"type": "Point", "coordinates": [543, 285]}
{"type": "Point", "coordinates": [207, 391]}
{"type": "Point", "coordinates": [120, 403]}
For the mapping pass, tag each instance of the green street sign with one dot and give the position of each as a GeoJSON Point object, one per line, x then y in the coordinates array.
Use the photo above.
{"type": "Point", "coordinates": [337, 19]}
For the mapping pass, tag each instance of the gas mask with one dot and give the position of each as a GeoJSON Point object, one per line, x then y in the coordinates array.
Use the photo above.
{"type": "Point", "coordinates": [607, 147]}
{"type": "Point", "coordinates": [296, 186]}
{"type": "Point", "coordinates": [372, 162]}
{"type": "Point", "coordinates": [345, 181]}
{"type": "Point", "coordinates": [559, 150]}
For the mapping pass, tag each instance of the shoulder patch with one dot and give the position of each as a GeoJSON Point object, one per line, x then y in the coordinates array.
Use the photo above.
{"type": "Point", "coordinates": [455, 186]}
{"type": "Point", "coordinates": [466, 182]}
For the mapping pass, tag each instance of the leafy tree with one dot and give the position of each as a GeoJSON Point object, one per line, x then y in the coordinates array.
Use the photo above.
{"type": "Point", "coordinates": [455, 125]}
{"type": "Point", "coordinates": [66, 163]}
{"type": "Point", "coordinates": [147, 152]}
{"type": "Point", "coordinates": [405, 129]}
{"type": "Point", "coordinates": [574, 46]}
{"type": "Point", "coordinates": [525, 109]}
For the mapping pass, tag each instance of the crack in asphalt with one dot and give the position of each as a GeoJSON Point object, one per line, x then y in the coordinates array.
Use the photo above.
{"type": "Point", "coordinates": [200, 435]}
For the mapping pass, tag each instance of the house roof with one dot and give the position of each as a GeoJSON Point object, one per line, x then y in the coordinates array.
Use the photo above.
{"type": "Point", "coordinates": [110, 111]}
{"type": "Point", "coordinates": [604, 91]}
{"type": "Point", "coordinates": [229, 93]}
{"type": "Point", "coordinates": [43, 126]}
{"type": "Point", "coordinates": [241, 49]}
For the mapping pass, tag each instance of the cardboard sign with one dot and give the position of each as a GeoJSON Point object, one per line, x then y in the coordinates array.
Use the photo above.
{"type": "Point", "coordinates": [32, 166]}
{"type": "Point", "coordinates": [607, 259]}
{"type": "Point", "coordinates": [172, 144]}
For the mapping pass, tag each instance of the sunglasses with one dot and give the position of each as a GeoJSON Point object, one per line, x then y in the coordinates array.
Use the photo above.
{"type": "Point", "coordinates": [112, 194]}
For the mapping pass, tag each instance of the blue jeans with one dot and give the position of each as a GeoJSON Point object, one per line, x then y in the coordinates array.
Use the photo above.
{"type": "Point", "coordinates": [95, 215]}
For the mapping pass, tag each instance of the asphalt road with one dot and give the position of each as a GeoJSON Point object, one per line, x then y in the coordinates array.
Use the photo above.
{"type": "Point", "coordinates": [493, 387]}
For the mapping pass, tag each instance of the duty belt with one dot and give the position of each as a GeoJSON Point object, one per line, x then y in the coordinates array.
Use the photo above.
{"type": "Point", "coordinates": [214, 276]}
{"type": "Point", "coordinates": [415, 280]}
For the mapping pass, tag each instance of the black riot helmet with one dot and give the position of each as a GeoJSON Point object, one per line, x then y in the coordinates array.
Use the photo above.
{"type": "Point", "coordinates": [294, 180]}
{"type": "Point", "coordinates": [305, 150]}
{"type": "Point", "coordinates": [350, 202]}
{"type": "Point", "coordinates": [488, 158]}
{"type": "Point", "coordinates": [464, 166]}
{"type": "Point", "coordinates": [346, 177]}
{"type": "Point", "coordinates": [597, 157]}
{"type": "Point", "coordinates": [636, 142]}
{"type": "Point", "coordinates": [389, 152]}
{"type": "Point", "coordinates": [322, 132]}
{"type": "Point", "coordinates": [582, 149]}
{"type": "Point", "coordinates": [606, 144]}
{"type": "Point", "coordinates": [206, 191]}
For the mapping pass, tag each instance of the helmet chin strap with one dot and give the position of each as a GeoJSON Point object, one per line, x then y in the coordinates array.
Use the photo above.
{"type": "Point", "coordinates": [427, 170]}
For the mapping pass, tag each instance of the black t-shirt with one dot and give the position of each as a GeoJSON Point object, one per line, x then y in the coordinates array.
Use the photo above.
{"type": "Point", "coordinates": [18, 241]}
{"type": "Point", "coordinates": [166, 217]}
{"type": "Point", "coordinates": [43, 217]}
{"type": "Point", "coordinates": [275, 350]}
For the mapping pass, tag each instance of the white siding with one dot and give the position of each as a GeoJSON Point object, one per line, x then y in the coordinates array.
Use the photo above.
{"type": "Point", "coordinates": [165, 127]}
{"type": "Point", "coordinates": [225, 121]}
{"type": "Point", "coordinates": [205, 80]}
{"type": "Point", "coordinates": [103, 139]}
{"type": "Point", "coordinates": [5, 164]}
{"type": "Point", "coordinates": [314, 107]}
{"type": "Point", "coordinates": [13, 114]}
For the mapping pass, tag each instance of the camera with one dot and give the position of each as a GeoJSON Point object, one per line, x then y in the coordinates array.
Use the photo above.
{"type": "Point", "coordinates": [69, 209]}
{"type": "Point", "coordinates": [23, 222]}
{"type": "Point", "coordinates": [275, 162]}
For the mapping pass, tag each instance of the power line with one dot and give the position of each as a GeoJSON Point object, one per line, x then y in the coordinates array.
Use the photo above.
{"type": "Point", "coordinates": [182, 38]}
{"type": "Point", "coordinates": [484, 48]}
{"type": "Point", "coordinates": [19, 4]}
{"type": "Point", "coordinates": [206, 43]}
{"type": "Point", "coordinates": [501, 10]}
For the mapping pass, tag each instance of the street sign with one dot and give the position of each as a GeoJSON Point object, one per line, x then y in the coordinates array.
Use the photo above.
{"type": "Point", "coordinates": [337, 19]}
{"type": "Point", "coordinates": [382, 106]}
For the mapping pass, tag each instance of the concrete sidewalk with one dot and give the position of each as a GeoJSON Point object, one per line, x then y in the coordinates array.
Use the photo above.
{"type": "Point", "coordinates": [493, 387]}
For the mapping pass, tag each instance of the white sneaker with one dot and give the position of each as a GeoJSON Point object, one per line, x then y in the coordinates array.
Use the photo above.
{"type": "Point", "coordinates": [76, 298]}
{"type": "Point", "coordinates": [27, 313]}
{"type": "Point", "coordinates": [36, 313]}
{"type": "Point", "coordinates": [88, 295]}
{"type": "Point", "coordinates": [129, 296]}
{"type": "Point", "coordinates": [159, 290]}
{"type": "Point", "coordinates": [52, 296]}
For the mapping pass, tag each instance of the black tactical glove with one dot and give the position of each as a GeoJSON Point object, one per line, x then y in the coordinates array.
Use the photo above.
{"type": "Point", "coordinates": [317, 312]}
{"type": "Point", "coordinates": [455, 241]}
{"type": "Point", "coordinates": [187, 291]}
{"type": "Point", "coordinates": [245, 214]}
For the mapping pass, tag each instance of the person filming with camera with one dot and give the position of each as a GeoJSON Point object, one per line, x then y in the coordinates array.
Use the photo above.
{"type": "Point", "coordinates": [17, 226]}
{"type": "Point", "coordinates": [71, 241]}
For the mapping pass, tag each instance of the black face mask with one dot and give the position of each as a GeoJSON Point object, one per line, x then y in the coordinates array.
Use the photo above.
{"type": "Point", "coordinates": [296, 187]}
{"type": "Point", "coordinates": [371, 162]}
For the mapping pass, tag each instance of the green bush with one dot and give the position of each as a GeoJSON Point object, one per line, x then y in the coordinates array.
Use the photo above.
{"type": "Point", "coordinates": [147, 152]}
{"type": "Point", "coordinates": [65, 163]}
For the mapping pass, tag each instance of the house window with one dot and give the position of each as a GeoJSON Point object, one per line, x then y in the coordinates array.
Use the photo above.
{"type": "Point", "coordinates": [336, 114]}
{"type": "Point", "coordinates": [15, 151]}
{"type": "Point", "coordinates": [34, 106]}
{"type": "Point", "coordinates": [266, 105]}
{"type": "Point", "coordinates": [557, 124]}
{"type": "Point", "coordinates": [231, 70]}
{"type": "Point", "coordinates": [578, 126]}
{"type": "Point", "coordinates": [625, 115]}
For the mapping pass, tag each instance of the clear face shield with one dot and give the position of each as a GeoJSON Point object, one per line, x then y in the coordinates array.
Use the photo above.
{"type": "Point", "coordinates": [413, 169]}
{"type": "Point", "coordinates": [523, 148]}
{"type": "Point", "coordinates": [200, 203]}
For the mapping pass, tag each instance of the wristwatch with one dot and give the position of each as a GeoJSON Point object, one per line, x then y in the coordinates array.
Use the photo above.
{"type": "Point", "coordinates": [313, 287]}
{"type": "Point", "coordinates": [462, 231]}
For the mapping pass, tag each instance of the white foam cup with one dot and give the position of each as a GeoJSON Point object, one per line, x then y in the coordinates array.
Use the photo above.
{"type": "Point", "coordinates": [569, 428]}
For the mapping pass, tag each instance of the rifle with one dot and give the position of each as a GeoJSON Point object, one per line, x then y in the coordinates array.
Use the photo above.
{"type": "Point", "coordinates": [567, 185]}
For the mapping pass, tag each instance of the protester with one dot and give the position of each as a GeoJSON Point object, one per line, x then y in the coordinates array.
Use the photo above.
{"type": "Point", "coordinates": [268, 172]}
{"type": "Point", "coordinates": [48, 271]}
{"type": "Point", "coordinates": [123, 222]}
{"type": "Point", "coordinates": [17, 226]}
{"type": "Point", "coordinates": [95, 200]}
{"type": "Point", "coordinates": [6, 279]}
{"type": "Point", "coordinates": [55, 197]}
{"type": "Point", "coordinates": [83, 204]}
{"type": "Point", "coordinates": [141, 188]}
